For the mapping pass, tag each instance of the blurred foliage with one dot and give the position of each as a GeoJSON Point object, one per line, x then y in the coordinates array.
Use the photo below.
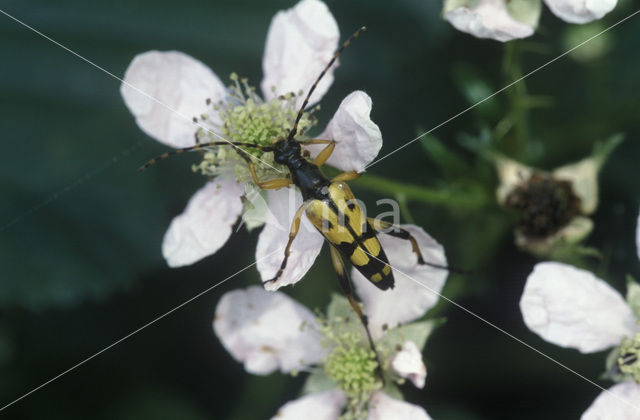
{"type": "Point", "coordinates": [80, 230]}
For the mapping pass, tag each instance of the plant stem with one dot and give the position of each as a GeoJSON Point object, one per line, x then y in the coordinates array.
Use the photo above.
{"type": "Point", "coordinates": [417, 193]}
{"type": "Point", "coordinates": [517, 95]}
{"type": "Point", "coordinates": [404, 208]}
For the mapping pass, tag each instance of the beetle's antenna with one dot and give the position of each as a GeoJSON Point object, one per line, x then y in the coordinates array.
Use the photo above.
{"type": "Point", "coordinates": [199, 146]}
{"type": "Point", "coordinates": [346, 43]}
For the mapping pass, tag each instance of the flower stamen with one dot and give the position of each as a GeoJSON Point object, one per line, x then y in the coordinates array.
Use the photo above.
{"type": "Point", "coordinates": [351, 364]}
{"type": "Point", "coordinates": [545, 205]}
{"type": "Point", "coordinates": [246, 117]}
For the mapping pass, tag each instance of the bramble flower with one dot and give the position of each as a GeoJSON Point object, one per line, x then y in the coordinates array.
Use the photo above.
{"type": "Point", "coordinates": [553, 206]}
{"type": "Point", "coordinates": [177, 87]}
{"type": "Point", "coordinates": [269, 331]}
{"type": "Point", "coordinates": [573, 308]}
{"type": "Point", "coordinates": [505, 20]}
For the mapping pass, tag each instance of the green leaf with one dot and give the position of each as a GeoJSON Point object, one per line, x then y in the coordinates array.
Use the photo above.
{"type": "Point", "coordinates": [477, 92]}
{"type": "Point", "coordinates": [449, 163]}
{"type": "Point", "coordinates": [602, 149]}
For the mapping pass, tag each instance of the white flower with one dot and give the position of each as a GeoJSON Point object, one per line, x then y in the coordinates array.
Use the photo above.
{"type": "Point", "coordinates": [504, 20]}
{"type": "Point", "coordinates": [269, 331]}
{"type": "Point", "coordinates": [611, 406]}
{"type": "Point", "coordinates": [553, 205]}
{"type": "Point", "coordinates": [580, 11]}
{"type": "Point", "coordinates": [573, 308]}
{"type": "Point", "coordinates": [487, 19]}
{"type": "Point", "coordinates": [300, 42]}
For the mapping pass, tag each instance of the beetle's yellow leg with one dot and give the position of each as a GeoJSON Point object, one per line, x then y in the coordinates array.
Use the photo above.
{"type": "Point", "coordinates": [325, 153]}
{"type": "Point", "coordinates": [346, 176]}
{"type": "Point", "coordinates": [272, 184]}
{"type": "Point", "coordinates": [345, 284]}
{"type": "Point", "coordinates": [295, 226]}
{"type": "Point", "coordinates": [316, 141]}
{"type": "Point", "coordinates": [396, 231]}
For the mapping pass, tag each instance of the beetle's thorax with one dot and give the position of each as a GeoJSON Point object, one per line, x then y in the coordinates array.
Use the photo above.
{"type": "Point", "coordinates": [304, 174]}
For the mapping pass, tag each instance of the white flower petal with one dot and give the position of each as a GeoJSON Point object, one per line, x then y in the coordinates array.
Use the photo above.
{"type": "Point", "coordinates": [255, 208]}
{"type": "Point", "coordinates": [578, 228]}
{"type": "Point", "coordinates": [205, 225]}
{"type": "Point", "coordinates": [583, 176]}
{"type": "Point", "coordinates": [408, 364]}
{"type": "Point", "coordinates": [175, 88]}
{"type": "Point", "coordinates": [300, 43]}
{"type": "Point", "coordinates": [571, 307]}
{"type": "Point", "coordinates": [487, 19]}
{"type": "Point", "coordinates": [283, 204]}
{"type": "Point", "coordinates": [624, 404]}
{"type": "Point", "coordinates": [383, 407]}
{"type": "Point", "coordinates": [358, 138]}
{"type": "Point", "coordinates": [580, 11]}
{"type": "Point", "coordinates": [266, 331]}
{"type": "Point", "coordinates": [511, 174]}
{"type": "Point", "coordinates": [416, 286]}
{"type": "Point", "coordinates": [321, 406]}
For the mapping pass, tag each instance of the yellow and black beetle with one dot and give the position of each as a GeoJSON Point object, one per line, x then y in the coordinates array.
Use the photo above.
{"type": "Point", "coordinates": [328, 203]}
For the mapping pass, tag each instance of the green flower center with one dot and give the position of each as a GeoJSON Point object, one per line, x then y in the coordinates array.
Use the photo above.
{"type": "Point", "coordinates": [629, 359]}
{"type": "Point", "coordinates": [351, 365]}
{"type": "Point", "coordinates": [245, 117]}
{"type": "Point", "coordinates": [545, 205]}
{"type": "Point", "coordinates": [353, 368]}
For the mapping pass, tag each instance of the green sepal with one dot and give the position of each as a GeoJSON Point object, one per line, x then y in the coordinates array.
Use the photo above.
{"type": "Point", "coordinates": [525, 11]}
{"type": "Point", "coordinates": [392, 390]}
{"type": "Point", "coordinates": [633, 295]}
{"type": "Point", "coordinates": [418, 332]}
{"type": "Point", "coordinates": [340, 308]}
{"type": "Point", "coordinates": [318, 381]}
{"type": "Point", "coordinates": [612, 372]}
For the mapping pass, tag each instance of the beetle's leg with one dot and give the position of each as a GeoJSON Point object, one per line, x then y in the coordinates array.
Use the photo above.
{"type": "Point", "coordinates": [315, 141]}
{"type": "Point", "coordinates": [199, 145]}
{"type": "Point", "coordinates": [345, 284]}
{"type": "Point", "coordinates": [325, 153]}
{"type": "Point", "coordinates": [295, 226]}
{"type": "Point", "coordinates": [393, 230]}
{"type": "Point", "coordinates": [346, 176]}
{"type": "Point", "coordinates": [390, 229]}
{"type": "Point", "coordinates": [272, 184]}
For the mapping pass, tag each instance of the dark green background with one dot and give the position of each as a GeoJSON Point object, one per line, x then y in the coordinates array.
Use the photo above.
{"type": "Point", "coordinates": [80, 230]}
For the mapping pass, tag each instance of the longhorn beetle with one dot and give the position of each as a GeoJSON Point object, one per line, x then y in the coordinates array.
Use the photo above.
{"type": "Point", "coordinates": [329, 205]}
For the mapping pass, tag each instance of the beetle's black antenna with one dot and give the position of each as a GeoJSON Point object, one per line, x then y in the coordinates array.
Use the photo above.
{"type": "Point", "coordinates": [294, 130]}
{"type": "Point", "coordinates": [199, 146]}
